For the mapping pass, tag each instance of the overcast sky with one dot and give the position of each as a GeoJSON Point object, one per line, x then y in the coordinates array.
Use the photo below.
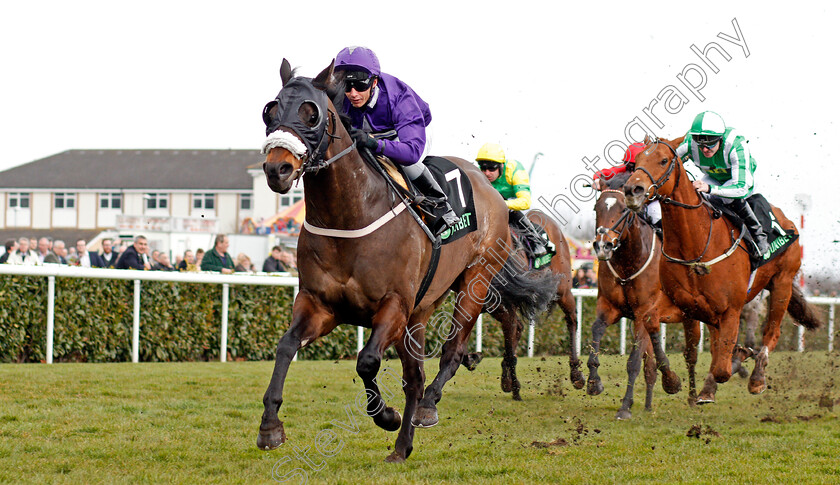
{"type": "Point", "coordinates": [537, 77]}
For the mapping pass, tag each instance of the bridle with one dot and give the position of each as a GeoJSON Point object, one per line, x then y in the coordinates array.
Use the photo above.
{"type": "Point", "coordinates": [700, 267]}
{"type": "Point", "coordinates": [625, 221]}
{"type": "Point", "coordinates": [314, 161]}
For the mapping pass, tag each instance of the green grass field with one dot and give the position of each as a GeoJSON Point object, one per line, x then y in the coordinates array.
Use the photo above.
{"type": "Point", "coordinates": [197, 423]}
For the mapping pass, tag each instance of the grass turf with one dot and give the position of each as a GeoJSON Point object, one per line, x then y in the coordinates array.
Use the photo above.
{"type": "Point", "coordinates": [197, 422]}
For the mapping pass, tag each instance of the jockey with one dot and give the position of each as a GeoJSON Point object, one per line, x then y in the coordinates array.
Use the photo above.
{"type": "Point", "coordinates": [723, 156]}
{"type": "Point", "coordinates": [653, 211]}
{"type": "Point", "coordinates": [515, 188]}
{"type": "Point", "coordinates": [378, 102]}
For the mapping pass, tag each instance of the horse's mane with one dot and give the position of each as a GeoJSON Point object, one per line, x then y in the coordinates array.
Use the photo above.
{"type": "Point", "coordinates": [618, 180]}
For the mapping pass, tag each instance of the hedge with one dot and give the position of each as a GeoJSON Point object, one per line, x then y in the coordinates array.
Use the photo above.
{"type": "Point", "coordinates": [180, 322]}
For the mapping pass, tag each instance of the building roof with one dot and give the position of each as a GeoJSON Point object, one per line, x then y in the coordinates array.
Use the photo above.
{"type": "Point", "coordinates": [136, 169]}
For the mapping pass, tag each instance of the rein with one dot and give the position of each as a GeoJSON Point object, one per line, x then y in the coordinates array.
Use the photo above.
{"type": "Point", "coordinates": [696, 264]}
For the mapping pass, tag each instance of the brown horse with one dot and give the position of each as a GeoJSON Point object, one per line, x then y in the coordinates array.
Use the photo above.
{"type": "Point", "coordinates": [705, 273]}
{"type": "Point", "coordinates": [512, 321]}
{"type": "Point", "coordinates": [629, 287]}
{"type": "Point", "coordinates": [362, 259]}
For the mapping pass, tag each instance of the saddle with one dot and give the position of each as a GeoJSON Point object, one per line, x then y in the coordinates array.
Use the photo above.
{"type": "Point", "coordinates": [777, 237]}
{"type": "Point", "coordinates": [520, 240]}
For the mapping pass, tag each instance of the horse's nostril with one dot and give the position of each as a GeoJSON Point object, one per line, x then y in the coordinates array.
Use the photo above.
{"type": "Point", "coordinates": [285, 169]}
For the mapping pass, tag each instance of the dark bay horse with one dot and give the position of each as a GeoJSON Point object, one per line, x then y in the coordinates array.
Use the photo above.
{"type": "Point", "coordinates": [629, 287]}
{"type": "Point", "coordinates": [361, 260]}
{"type": "Point", "coordinates": [706, 274]}
{"type": "Point", "coordinates": [512, 322]}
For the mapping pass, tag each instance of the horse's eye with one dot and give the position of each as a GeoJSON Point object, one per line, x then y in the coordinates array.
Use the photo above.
{"type": "Point", "coordinates": [308, 113]}
{"type": "Point", "coordinates": [664, 162]}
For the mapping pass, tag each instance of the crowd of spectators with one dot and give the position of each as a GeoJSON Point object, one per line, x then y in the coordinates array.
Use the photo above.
{"type": "Point", "coordinates": [139, 256]}
{"type": "Point", "coordinates": [585, 277]}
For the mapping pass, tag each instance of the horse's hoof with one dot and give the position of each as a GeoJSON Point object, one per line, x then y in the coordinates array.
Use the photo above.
{"type": "Point", "coordinates": [507, 385]}
{"type": "Point", "coordinates": [671, 382]}
{"type": "Point", "coordinates": [394, 457]}
{"type": "Point", "coordinates": [389, 420]}
{"type": "Point", "coordinates": [424, 417]}
{"type": "Point", "coordinates": [471, 360]}
{"type": "Point", "coordinates": [577, 379]}
{"type": "Point", "coordinates": [516, 396]}
{"type": "Point", "coordinates": [756, 387]}
{"type": "Point", "coordinates": [623, 414]}
{"type": "Point", "coordinates": [594, 387]}
{"type": "Point", "coordinates": [270, 439]}
{"type": "Point", "coordinates": [705, 399]}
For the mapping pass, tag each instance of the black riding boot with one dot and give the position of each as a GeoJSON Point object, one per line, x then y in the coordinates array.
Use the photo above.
{"type": "Point", "coordinates": [530, 232]}
{"type": "Point", "coordinates": [745, 212]}
{"type": "Point", "coordinates": [435, 202]}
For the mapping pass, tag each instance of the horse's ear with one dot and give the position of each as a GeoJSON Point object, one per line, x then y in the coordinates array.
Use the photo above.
{"type": "Point", "coordinates": [324, 78]}
{"type": "Point", "coordinates": [647, 140]}
{"type": "Point", "coordinates": [285, 71]}
{"type": "Point", "coordinates": [677, 142]}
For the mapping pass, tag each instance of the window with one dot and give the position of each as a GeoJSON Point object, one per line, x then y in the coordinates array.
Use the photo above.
{"type": "Point", "coordinates": [157, 201]}
{"type": "Point", "coordinates": [65, 200]}
{"type": "Point", "coordinates": [204, 201]}
{"type": "Point", "coordinates": [245, 202]}
{"type": "Point", "coordinates": [110, 201]}
{"type": "Point", "coordinates": [19, 200]}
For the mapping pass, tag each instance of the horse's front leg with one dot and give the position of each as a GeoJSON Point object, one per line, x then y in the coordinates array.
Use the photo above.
{"type": "Point", "coordinates": [411, 350]}
{"type": "Point", "coordinates": [388, 327]}
{"type": "Point", "coordinates": [779, 300]}
{"type": "Point", "coordinates": [606, 315]}
{"type": "Point", "coordinates": [469, 302]}
{"type": "Point", "coordinates": [641, 344]}
{"type": "Point", "coordinates": [707, 394]}
{"type": "Point", "coordinates": [310, 320]}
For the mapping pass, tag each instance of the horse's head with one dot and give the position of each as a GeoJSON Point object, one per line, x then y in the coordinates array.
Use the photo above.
{"type": "Point", "coordinates": [611, 218]}
{"type": "Point", "coordinates": [655, 166]}
{"type": "Point", "coordinates": [300, 123]}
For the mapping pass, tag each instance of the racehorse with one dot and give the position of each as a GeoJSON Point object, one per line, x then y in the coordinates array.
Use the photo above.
{"type": "Point", "coordinates": [707, 269]}
{"type": "Point", "coordinates": [629, 287]}
{"type": "Point", "coordinates": [362, 259]}
{"type": "Point", "coordinates": [512, 322]}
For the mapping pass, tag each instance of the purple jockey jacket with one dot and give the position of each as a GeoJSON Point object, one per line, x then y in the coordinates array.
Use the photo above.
{"type": "Point", "coordinates": [393, 105]}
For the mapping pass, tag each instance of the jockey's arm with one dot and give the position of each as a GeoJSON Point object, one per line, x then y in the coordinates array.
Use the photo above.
{"type": "Point", "coordinates": [411, 134]}
{"type": "Point", "coordinates": [518, 179]}
{"type": "Point", "coordinates": [741, 183]}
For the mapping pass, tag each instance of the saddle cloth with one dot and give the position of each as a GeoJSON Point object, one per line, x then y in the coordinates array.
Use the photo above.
{"type": "Point", "coordinates": [777, 237]}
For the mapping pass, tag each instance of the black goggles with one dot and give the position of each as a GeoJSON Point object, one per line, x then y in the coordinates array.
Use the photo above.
{"type": "Point", "coordinates": [705, 141]}
{"type": "Point", "coordinates": [489, 166]}
{"type": "Point", "coordinates": [360, 85]}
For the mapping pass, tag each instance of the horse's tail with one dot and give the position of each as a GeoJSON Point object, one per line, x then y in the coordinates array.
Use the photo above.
{"type": "Point", "coordinates": [530, 292]}
{"type": "Point", "coordinates": [803, 312]}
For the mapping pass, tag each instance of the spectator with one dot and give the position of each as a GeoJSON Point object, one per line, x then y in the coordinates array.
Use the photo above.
{"type": "Point", "coordinates": [135, 256]}
{"type": "Point", "coordinates": [163, 263]}
{"type": "Point", "coordinates": [23, 255]}
{"type": "Point", "coordinates": [188, 263]}
{"type": "Point", "coordinates": [243, 263]}
{"type": "Point", "coordinates": [58, 255]}
{"type": "Point", "coordinates": [584, 277]}
{"type": "Point", "coordinates": [199, 257]}
{"type": "Point", "coordinates": [274, 263]}
{"type": "Point", "coordinates": [218, 259]}
{"type": "Point", "coordinates": [11, 247]}
{"type": "Point", "coordinates": [289, 260]}
{"type": "Point", "coordinates": [178, 259]}
{"type": "Point", "coordinates": [108, 258]}
{"type": "Point", "coordinates": [44, 246]}
{"type": "Point", "coordinates": [86, 259]}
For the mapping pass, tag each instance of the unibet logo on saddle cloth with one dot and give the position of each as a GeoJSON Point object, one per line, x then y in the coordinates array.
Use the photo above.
{"type": "Point", "coordinates": [459, 191]}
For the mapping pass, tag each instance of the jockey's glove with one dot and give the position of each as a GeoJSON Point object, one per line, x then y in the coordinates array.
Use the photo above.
{"type": "Point", "coordinates": [364, 140]}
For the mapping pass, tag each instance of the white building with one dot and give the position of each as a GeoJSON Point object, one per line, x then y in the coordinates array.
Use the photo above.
{"type": "Point", "coordinates": [80, 193]}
